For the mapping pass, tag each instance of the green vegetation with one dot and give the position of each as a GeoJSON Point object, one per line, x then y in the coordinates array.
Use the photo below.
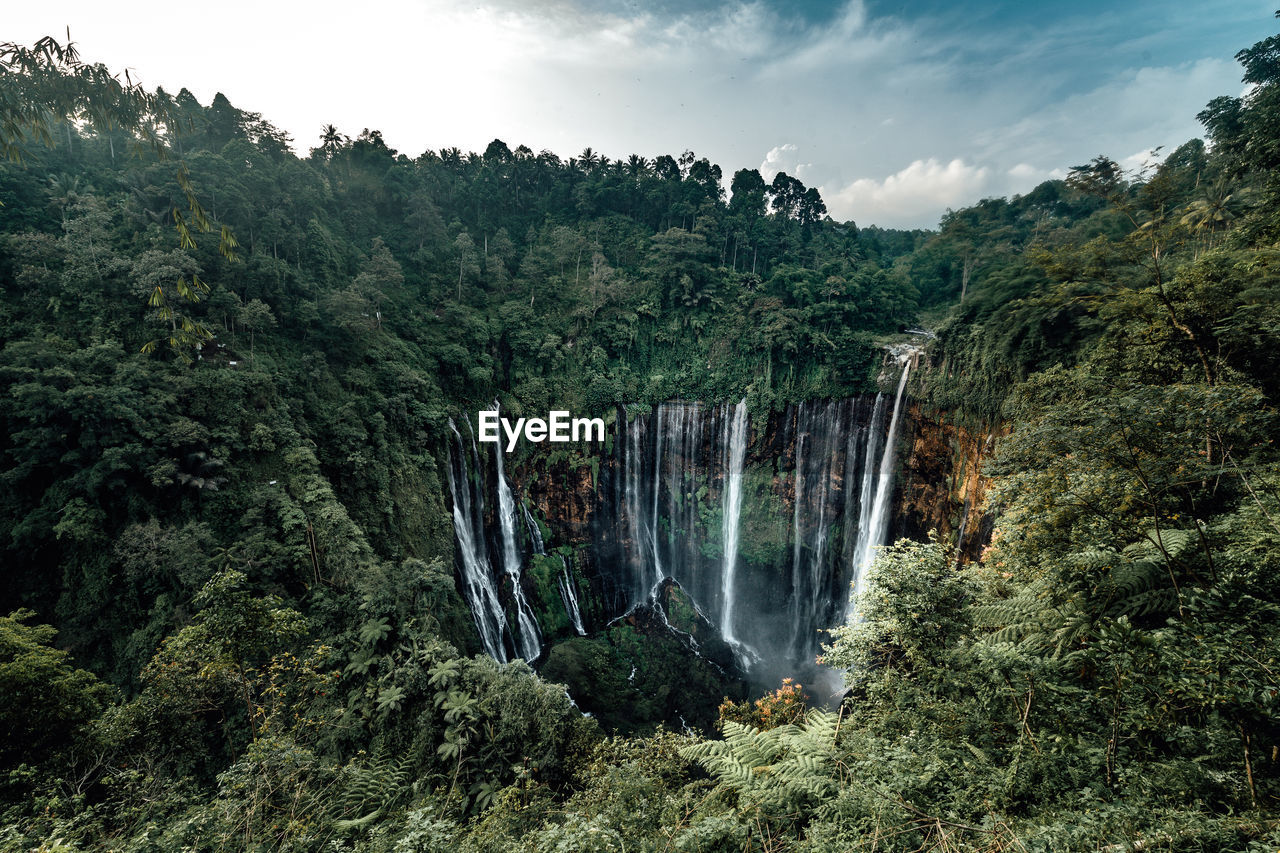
{"type": "Point", "coordinates": [221, 493]}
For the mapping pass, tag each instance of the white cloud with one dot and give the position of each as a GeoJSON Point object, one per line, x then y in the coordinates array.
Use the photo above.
{"type": "Point", "coordinates": [1141, 161]}
{"type": "Point", "coordinates": [1023, 178]}
{"type": "Point", "coordinates": [1133, 111]}
{"type": "Point", "coordinates": [917, 194]}
{"type": "Point", "coordinates": [784, 158]}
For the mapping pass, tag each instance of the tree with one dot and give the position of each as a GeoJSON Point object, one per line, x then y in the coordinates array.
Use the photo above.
{"type": "Point", "coordinates": [163, 278]}
{"type": "Point", "coordinates": [467, 262]}
{"type": "Point", "coordinates": [498, 260]}
{"type": "Point", "coordinates": [256, 316]}
{"type": "Point", "coordinates": [45, 701]}
{"type": "Point", "coordinates": [1245, 128]}
{"type": "Point", "coordinates": [681, 262]}
{"type": "Point", "coordinates": [811, 208]}
{"type": "Point", "coordinates": [48, 82]}
{"type": "Point", "coordinates": [380, 274]}
{"type": "Point", "coordinates": [787, 193]}
{"type": "Point", "coordinates": [331, 141]}
{"type": "Point", "coordinates": [1151, 234]}
{"type": "Point", "coordinates": [1212, 214]}
{"type": "Point", "coordinates": [1106, 461]}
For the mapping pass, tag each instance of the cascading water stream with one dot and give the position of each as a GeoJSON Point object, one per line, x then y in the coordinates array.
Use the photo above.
{"type": "Point", "coordinates": [570, 598]}
{"type": "Point", "coordinates": [731, 519]}
{"type": "Point", "coordinates": [658, 573]}
{"type": "Point", "coordinates": [528, 639]}
{"type": "Point", "coordinates": [535, 532]}
{"type": "Point", "coordinates": [762, 558]}
{"type": "Point", "coordinates": [564, 581]}
{"type": "Point", "coordinates": [821, 494]}
{"type": "Point", "coordinates": [679, 454]}
{"type": "Point", "coordinates": [867, 495]}
{"type": "Point", "coordinates": [477, 574]}
{"type": "Point", "coordinates": [797, 531]}
{"type": "Point", "coordinates": [877, 524]}
{"type": "Point", "coordinates": [643, 552]}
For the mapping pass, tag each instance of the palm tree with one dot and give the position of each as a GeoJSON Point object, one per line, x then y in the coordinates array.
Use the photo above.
{"type": "Point", "coordinates": [588, 159]}
{"type": "Point", "coordinates": [330, 140]}
{"type": "Point", "coordinates": [1212, 215]}
{"type": "Point", "coordinates": [64, 191]}
{"type": "Point", "coordinates": [637, 166]}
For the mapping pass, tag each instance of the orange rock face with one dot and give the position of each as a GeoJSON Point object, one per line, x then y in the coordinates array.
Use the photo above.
{"type": "Point", "coordinates": [941, 484]}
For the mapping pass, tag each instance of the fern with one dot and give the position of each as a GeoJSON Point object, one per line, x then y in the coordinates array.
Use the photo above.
{"type": "Point", "coordinates": [784, 764]}
{"type": "Point", "coordinates": [1139, 581]}
{"type": "Point", "coordinates": [1020, 619]}
{"type": "Point", "coordinates": [372, 789]}
{"type": "Point", "coordinates": [1133, 583]}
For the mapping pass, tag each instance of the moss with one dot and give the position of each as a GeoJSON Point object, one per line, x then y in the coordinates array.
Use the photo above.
{"type": "Point", "coordinates": [681, 613]}
{"type": "Point", "coordinates": [766, 520]}
{"type": "Point", "coordinates": [637, 675]}
{"type": "Point", "coordinates": [552, 617]}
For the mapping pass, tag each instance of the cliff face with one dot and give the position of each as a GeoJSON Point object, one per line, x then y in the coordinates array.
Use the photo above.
{"type": "Point", "coordinates": [940, 485]}
{"type": "Point", "coordinates": [563, 494]}
{"type": "Point", "coordinates": [596, 530]}
{"type": "Point", "coordinates": [941, 482]}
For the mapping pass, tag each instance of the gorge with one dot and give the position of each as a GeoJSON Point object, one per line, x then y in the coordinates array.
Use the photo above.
{"type": "Point", "coordinates": [267, 586]}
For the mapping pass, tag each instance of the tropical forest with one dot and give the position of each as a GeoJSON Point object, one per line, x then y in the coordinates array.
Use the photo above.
{"type": "Point", "coordinates": [963, 538]}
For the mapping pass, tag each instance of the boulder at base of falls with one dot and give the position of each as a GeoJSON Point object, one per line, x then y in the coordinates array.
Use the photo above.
{"type": "Point", "coordinates": [641, 672]}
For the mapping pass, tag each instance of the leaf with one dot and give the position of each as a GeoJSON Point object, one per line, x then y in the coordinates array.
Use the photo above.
{"type": "Point", "coordinates": [374, 631]}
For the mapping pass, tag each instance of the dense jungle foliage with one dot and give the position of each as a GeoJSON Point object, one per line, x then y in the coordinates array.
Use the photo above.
{"type": "Point", "coordinates": [233, 622]}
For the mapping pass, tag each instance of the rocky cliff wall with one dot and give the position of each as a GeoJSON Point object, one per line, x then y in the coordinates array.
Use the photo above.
{"type": "Point", "coordinates": [942, 482]}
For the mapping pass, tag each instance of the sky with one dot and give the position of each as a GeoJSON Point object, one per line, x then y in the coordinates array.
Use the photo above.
{"type": "Point", "coordinates": [895, 110]}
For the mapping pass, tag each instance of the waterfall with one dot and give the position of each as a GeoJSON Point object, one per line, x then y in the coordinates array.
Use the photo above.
{"type": "Point", "coordinates": [642, 553]}
{"type": "Point", "coordinates": [765, 556]}
{"type": "Point", "coordinates": [797, 532]}
{"type": "Point", "coordinates": [867, 495]}
{"type": "Point", "coordinates": [529, 641]}
{"type": "Point", "coordinates": [873, 531]}
{"type": "Point", "coordinates": [564, 581]}
{"type": "Point", "coordinates": [680, 442]}
{"type": "Point", "coordinates": [828, 447]}
{"type": "Point", "coordinates": [570, 598]}
{"type": "Point", "coordinates": [820, 497]}
{"type": "Point", "coordinates": [859, 462]}
{"type": "Point", "coordinates": [731, 516]}
{"type": "Point", "coordinates": [535, 532]}
{"type": "Point", "coordinates": [658, 573]}
{"type": "Point", "coordinates": [682, 461]}
{"type": "Point", "coordinates": [477, 575]}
